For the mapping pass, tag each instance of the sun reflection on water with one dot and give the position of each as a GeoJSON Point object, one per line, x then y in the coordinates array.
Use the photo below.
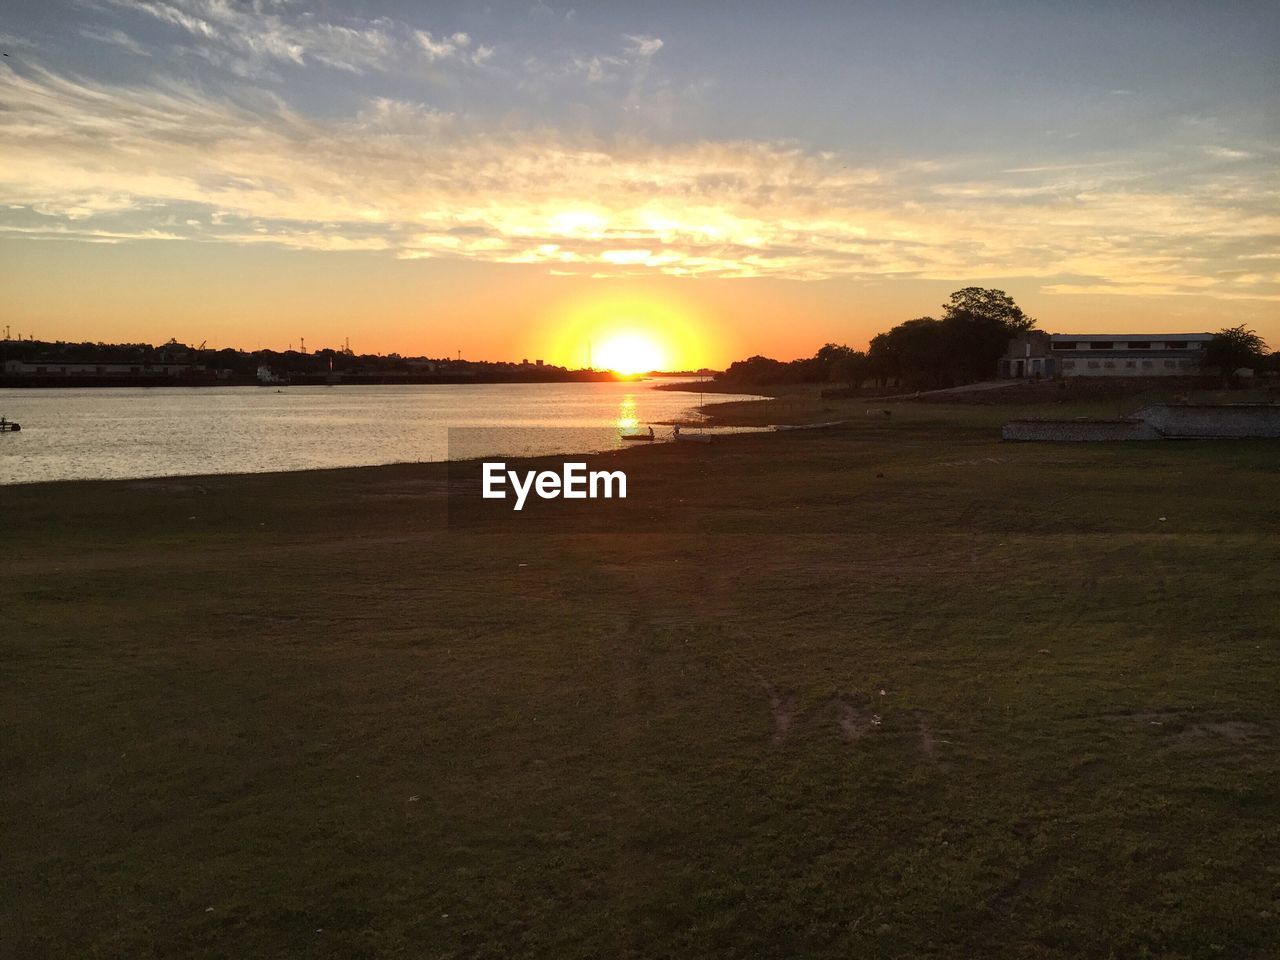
{"type": "Point", "coordinates": [627, 419]}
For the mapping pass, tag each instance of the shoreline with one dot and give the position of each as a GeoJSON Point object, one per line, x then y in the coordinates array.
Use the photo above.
{"type": "Point", "coordinates": [632, 449]}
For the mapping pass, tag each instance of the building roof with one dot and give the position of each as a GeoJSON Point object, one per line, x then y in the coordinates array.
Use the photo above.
{"type": "Point", "coordinates": [1120, 337]}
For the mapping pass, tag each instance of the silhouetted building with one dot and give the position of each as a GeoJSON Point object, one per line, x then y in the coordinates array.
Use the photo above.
{"type": "Point", "coordinates": [59, 368]}
{"type": "Point", "coordinates": [1028, 355]}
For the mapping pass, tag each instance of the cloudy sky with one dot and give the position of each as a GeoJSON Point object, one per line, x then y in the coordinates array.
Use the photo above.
{"type": "Point", "coordinates": [503, 178]}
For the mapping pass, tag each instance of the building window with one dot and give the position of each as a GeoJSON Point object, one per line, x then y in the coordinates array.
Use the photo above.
{"type": "Point", "coordinates": [1131, 364]}
{"type": "Point", "coordinates": [1110, 364]}
{"type": "Point", "coordinates": [1093, 364]}
{"type": "Point", "coordinates": [1068, 364]}
{"type": "Point", "coordinates": [1101, 345]}
{"type": "Point", "coordinates": [1186, 364]}
{"type": "Point", "coordinates": [1139, 344]}
{"type": "Point", "coordinates": [1064, 345]}
{"type": "Point", "coordinates": [1175, 344]}
{"type": "Point", "coordinates": [1169, 364]}
{"type": "Point", "coordinates": [1147, 364]}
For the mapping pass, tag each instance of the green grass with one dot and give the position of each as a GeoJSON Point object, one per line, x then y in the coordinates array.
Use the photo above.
{"type": "Point", "coordinates": [299, 715]}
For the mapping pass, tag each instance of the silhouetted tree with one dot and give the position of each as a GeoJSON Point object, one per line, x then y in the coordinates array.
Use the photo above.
{"type": "Point", "coordinates": [991, 304]}
{"type": "Point", "coordinates": [922, 354]}
{"type": "Point", "coordinates": [914, 353]}
{"type": "Point", "coordinates": [1233, 348]}
{"type": "Point", "coordinates": [979, 323]}
{"type": "Point", "coordinates": [756, 370]}
{"type": "Point", "coordinates": [844, 364]}
{"type": "Point", "coordinates": [973, 343]}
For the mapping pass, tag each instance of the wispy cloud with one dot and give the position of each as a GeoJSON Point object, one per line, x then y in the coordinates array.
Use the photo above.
{"type": "Point", "coordinates": [1227, 153]}
{"type": "Point", "coordinates": [12, 41]}
{"type": "Point", "coordinates": [116, 38]}
{"type": "Point", "coordinates": [643, 46]}
{"type": "Point", "coordinates": [629, 62]}
{"type": "Point", "coordinates": [457, 46]}
{"type": "Point", "coordinates": [258, 35]}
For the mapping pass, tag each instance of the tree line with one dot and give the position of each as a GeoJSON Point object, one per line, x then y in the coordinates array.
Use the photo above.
{"type": "Point", "coordinates": [962, 346]}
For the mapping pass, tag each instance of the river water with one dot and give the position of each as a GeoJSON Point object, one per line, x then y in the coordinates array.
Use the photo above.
{"type": "Point", "coordinates": [72, 434]}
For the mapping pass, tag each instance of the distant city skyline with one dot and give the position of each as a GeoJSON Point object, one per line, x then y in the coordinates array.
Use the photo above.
{"type": "Point", "coordinates": [691, 182]}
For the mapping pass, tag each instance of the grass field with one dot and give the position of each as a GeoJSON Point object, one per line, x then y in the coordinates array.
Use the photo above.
{"type": "Point", "coordinates": [891, 690]}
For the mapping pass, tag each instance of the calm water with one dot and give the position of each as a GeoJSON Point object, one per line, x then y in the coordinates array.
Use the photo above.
{"type": "Point", "coordinates": [134, 432]}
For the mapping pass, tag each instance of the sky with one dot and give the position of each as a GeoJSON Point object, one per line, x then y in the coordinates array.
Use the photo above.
{"type": "Point", "coordinates": [509, 180]}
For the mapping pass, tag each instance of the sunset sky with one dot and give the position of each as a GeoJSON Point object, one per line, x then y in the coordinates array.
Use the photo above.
{"type": "Point", "coordinates": [517, 179]}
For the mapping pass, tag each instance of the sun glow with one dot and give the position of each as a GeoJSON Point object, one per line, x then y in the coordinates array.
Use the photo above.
{"type": "Point", "coordinates": [633, 332]}
{"type": "Point", "coordinates": [629, 353]}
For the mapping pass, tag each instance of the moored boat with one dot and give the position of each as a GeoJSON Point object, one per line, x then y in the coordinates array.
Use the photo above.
{"type": "Point", "coordinates": [639, 437]}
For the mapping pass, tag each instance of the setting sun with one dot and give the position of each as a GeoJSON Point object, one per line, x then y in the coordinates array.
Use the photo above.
{"type": "Point", "coordinates": [630, 331]}
{"type": "Point", "coordinates": [629, 353]}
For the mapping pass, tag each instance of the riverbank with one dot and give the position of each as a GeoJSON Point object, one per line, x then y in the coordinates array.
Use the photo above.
{"type": "Point", "coordinates": [893, 689]}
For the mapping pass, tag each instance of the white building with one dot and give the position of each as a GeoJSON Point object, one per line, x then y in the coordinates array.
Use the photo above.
{"type": "Point", "coordinates": [1127, 354]}
{"type": "Point", "coordinates": [1034, 354]}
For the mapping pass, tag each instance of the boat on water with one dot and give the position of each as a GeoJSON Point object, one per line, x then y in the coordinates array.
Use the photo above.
{"type": "Point", "coordinates": [638, 438]}
{"type": "Point", "coordinates": [9, 426]}
{"type": "Point", "coordinates": [269, 378]}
